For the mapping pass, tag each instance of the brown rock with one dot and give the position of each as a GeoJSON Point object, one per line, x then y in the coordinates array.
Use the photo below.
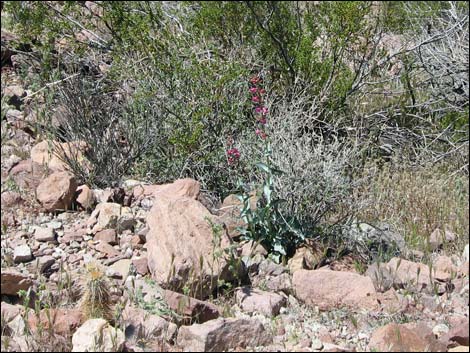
{"type": "Point", "coordinates": [458, 335]}
{"type": "Point", "coordinates": [192, 309]}
{"type": "Point", "coordinates": [223, 334]}
{"type": "Point", "coordinates": [444, 269]}
{"type": "Point", "coordinates": [86, 198]}
{"type": "Point", "coordinates": [56, 192]}
{"type": "Point", "coordinates": [107, 249]}
{"type": "Point", "coordinates": [105, 215]}
{"type": "Point", "coordinates": [179, 188]}
{"type": "Point", "coordinates": [141, 266]}
{"type": "Point", "coordinates": [436, 239]}
{"type": "Point", "coordinates": [64, 321]}
{"type": "Point", "coordinates": [11, 199]}
{"type": "Point", "coordinates": [229, 213]}
{"type": "Point", "coordinates": [13, 281]}
{"type": "Point", "coordinates": [407, 273]}
{"type": "Point", "coordinates": [9, 312]}
{"type": "Point", "coordinates": [179, 241]}
{"type": "Point", "coordinates": [52, 154]}
{"type": "Point", "coordinates": [28, 175]}
{"type": "Point", "coordinates": [398, 338]}
{"type": "Point", "coordinates": [329, 289]}
{"type": "Point", "coordinates": [140, 323]}
{"type": "Point", "coordinates": [255, 300]}
{"type": "Point", "coordinates": [107, 235]}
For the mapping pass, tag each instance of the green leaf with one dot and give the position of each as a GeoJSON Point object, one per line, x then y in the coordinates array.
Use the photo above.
{"type": "Point", "coordinates": [263, 167]}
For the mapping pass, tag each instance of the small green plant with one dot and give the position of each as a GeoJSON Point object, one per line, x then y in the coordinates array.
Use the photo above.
{"type": "Point", "coordinates": [266, 224]}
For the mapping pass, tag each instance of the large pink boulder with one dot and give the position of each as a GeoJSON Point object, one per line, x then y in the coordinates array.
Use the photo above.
{"type": "Point", "coordinates": [56, 192]}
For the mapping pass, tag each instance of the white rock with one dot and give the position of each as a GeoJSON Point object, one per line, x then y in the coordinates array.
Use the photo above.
{"type": "Point", "coordinates": [97, 335]}
{"type": "Point", "coordinates": [44, 234]}
{"type": "Point", "coordinates": [440, 330]}
{"type": "Point", "coordinates": [22, 253]}
{"type": "Point", "coordinates": [465, 254]}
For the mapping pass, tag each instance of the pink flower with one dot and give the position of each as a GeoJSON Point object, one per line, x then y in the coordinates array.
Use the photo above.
{"type": "Point", "coordinates": [233, 155]}
{"type": "Point", "coordinates": [262, 121]}
{"type": "Point", "coordinates": [261, 110]}
{"type": "Point", "coordinates": [261, 134]}
{"type": "Point", "coordinates": [256, 99]}
{"type": "Point", "coordinates": [255, 79]}
{"type": "Point", "coordinates": [253, 89]}
{"type": "Point", "coordinates": [262, 91]}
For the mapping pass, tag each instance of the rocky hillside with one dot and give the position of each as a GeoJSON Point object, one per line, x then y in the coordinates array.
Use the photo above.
{"type": "Point", "coordinates": [144, 266]}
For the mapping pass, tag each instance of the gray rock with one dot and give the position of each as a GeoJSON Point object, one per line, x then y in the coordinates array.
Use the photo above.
{"type": "Point", "coordinates": [22, 253]}
{"type": "Point", "coordinates": [223, 334]}
{"type": "Point", "coordinates": [44, 234]}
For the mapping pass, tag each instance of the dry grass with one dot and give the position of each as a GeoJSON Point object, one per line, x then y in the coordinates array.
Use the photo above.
{"type": "Point", "coordinates": [418, 201]}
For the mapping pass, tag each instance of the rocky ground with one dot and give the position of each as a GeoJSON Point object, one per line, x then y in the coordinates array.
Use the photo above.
{"type": "Point", "coordinates": [220, 294]}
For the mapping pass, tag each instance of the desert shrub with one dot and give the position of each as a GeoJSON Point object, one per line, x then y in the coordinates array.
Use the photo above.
{"type": "Point", "coordinates": [113, 130]}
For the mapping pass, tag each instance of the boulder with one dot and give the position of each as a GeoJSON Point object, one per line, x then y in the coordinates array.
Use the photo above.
{"type": "Point", "coordinates": [97, 335]}
{"type": "Point", "coordinates": [222, 334]}
{"type": "Point", "coordinates": [331, 289]}
{"type": "Point", "coordinates": [56, 192]}
{"type": "Point", "coordinates": [181, 245]}
{"type": "Point", "coordinates": [399, 338]}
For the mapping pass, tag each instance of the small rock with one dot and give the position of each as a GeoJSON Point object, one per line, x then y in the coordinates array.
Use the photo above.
{"type": "Point", "coordinates": [96, 335]}
{"type": "Point", "coordinates": [193, 309]}
{"type": "Point", "coordinates": [399, 338]}
{"type": "Point", "coordinates": [121, 267]}
{"type": "Point", "coordinates": [440, 330]}
{"type": "Point", "coordinates": [316, 344]}
{"type": "Point", "coordinates": [11, 198]}
{"type": "Point", "coordinates": [44, 234]}
{"type": "Point", "coordinates": [255, 300]}
{"type": "Point", "coordinates": [44, 263]}
{"type": "Point", "coordinates": [107, 235]}
{"type": "Point", "coordinates": [141, 266]}
{"type": "Point", "coordinates": [436, 239]}
{"type": "Point", "coordinates": [458, 335]}
{"type": "Point", "coordinates": [86, 198]}
{"type": "Point", "coordinates": [107, 249]}
{"type": "Point", "coordinates": [13, 281]}
{"type": "Point", "coordinates": [22, 253]}
{"type": "Point", "coordinates": [465, 254]}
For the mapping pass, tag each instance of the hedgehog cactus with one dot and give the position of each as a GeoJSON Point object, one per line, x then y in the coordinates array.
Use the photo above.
{"type": "Point", "coordinates": [96, 300]}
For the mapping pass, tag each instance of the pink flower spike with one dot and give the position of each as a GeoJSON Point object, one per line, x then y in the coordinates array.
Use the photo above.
{"type": "Point", "coordinates": [255, 79]}
{"type": "Point", "coordinates": [261, 134]}
{"type": "Point", "coordinates": [253, 89]}
{"type": "Point", "coordinates": [256, 99]}
{"type": "Point", "coordinates": [262, 121]}
{"type": "Point", "coordinates": [262, 91]}
{"type": "Point", "coordinates": [261, 110]}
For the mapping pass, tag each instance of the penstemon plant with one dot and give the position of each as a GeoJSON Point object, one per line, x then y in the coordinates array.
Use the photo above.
{"type": "Point", "coordinates": [266, 225]}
